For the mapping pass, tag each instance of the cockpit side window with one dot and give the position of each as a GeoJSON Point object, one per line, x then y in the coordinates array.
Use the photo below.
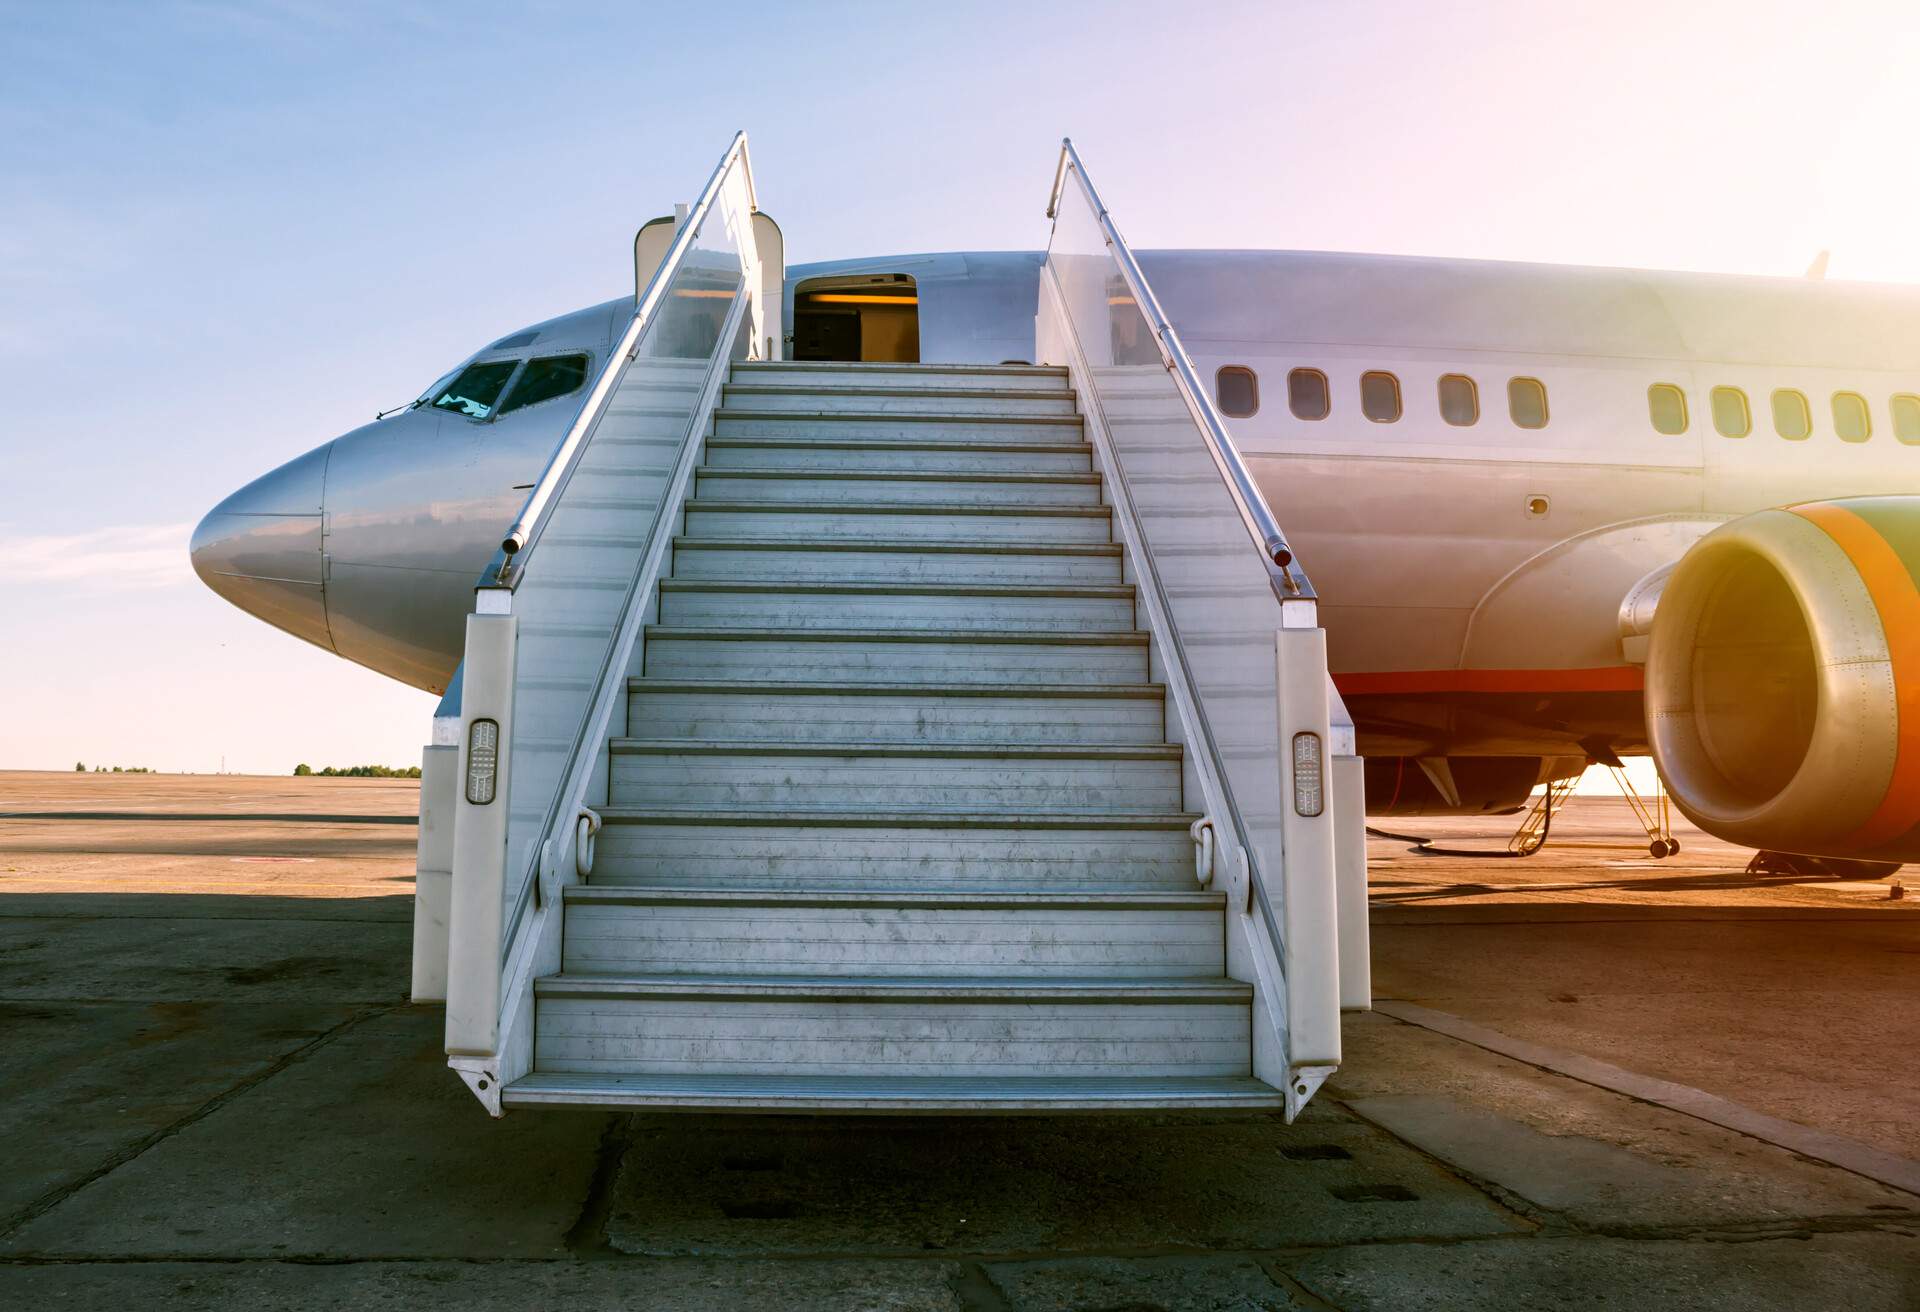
{"type": "Point", "coordinates": [474, 392]}
{"type": "Point", "coordinates": [545, 379]}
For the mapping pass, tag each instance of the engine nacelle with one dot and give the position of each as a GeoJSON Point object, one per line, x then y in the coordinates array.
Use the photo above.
{"type": "Point", "coordinates": [1783, 680]}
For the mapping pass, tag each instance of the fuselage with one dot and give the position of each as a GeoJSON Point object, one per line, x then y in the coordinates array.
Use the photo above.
{"type": "Point", "coordinates": [1468, 458]}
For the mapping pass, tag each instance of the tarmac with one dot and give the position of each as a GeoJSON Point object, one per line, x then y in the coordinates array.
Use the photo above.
{"type": "Point", "coordinates": [1592, 1080]}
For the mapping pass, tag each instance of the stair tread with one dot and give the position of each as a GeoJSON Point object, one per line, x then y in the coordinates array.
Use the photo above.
{"type": "Point", "coordinates": [897, 1092]}
{"type": "Point", "coordinates": [1076, 637]}
{"type": "Point", "coordinates": [1116, 590]}
{"type": "Point", "coordinates": [895, 367]}
{"type": "Point", "coordinates": [756, 505]}
{"type": "Point", "coordinates": [877, 388]}
{"type": "Point", "coordinates": [1083, 898]}
{"type": "Point", "coordinates": [900, 416]}
{"type": "Point", "coordinates": [1054, 818]}
{"type": "Point", "coordinates": [840, 441]}
{"type": "Point", "coordinates": [906, 546]}
{"type": "Point", "coordinates": [819, 688]}
{"type": "Point", "coordinates": [854, 473]}
{"type": "Point", "coordinates": [773, 747]}
{"type": "Point", "coordinates": [900, 988]}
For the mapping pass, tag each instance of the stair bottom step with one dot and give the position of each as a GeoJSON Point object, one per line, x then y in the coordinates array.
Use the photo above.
{"type": "Point", "coordinates": [881, 1095]}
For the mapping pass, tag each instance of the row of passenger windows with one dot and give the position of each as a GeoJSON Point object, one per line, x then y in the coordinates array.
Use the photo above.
{"type": "Point", "coordinates": [1792, 414]}
{"type": "Point", "coordinates": [475, 390]}
{"type": "Point", "coordinates": [1310, 396]}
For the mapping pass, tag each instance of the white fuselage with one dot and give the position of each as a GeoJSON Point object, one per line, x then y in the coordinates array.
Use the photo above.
{"type": "Point", "coordinates": [1470, 575]}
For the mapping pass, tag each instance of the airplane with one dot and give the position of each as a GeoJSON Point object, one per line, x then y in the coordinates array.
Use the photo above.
{"type": "Point", "coordinates": [1495, 471]}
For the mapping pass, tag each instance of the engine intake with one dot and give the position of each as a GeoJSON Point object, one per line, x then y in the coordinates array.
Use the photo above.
{"type": "Point", "coordinates": [1783, 680]}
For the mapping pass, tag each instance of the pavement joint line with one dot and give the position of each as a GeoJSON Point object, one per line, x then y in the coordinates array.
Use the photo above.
{"type": "Point", "coordinates": [293, 920]}
{"type": "Point", "coordinates": [1833, 1149]}
{"type": "Point", "coordinates": [1773, 1231]}
{"type": "Point", "coordinates": [1296, 1290]}
{"type": "Point", "coordinates": [114, 1161]}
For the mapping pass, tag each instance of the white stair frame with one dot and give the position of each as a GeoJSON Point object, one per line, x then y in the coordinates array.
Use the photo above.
{"type": "Point", "coordinates": [493, 959]}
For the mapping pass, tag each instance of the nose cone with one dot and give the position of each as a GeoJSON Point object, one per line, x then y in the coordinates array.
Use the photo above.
{"type": "Point", "coordinates": [260, 548]}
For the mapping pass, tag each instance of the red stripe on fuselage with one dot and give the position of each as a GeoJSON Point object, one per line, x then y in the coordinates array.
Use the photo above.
{"type": "Point", "coordinates": [1610, 678]}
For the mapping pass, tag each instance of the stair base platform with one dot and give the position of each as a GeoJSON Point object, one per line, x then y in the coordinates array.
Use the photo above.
{"type": "Point", "coordinates": [895, 1095]}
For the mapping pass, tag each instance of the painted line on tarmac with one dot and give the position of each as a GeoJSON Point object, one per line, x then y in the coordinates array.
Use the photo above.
{"type": "Point", "coordinates": [1836, 1150]}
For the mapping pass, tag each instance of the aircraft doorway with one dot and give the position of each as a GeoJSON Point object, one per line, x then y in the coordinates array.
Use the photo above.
{"type": "Point", "coordinates": [867, 317]}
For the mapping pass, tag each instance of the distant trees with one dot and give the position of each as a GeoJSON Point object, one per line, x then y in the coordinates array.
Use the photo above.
{"type": "Point", "coordinates": [79, 767]}
{"type": "Point", "coordinates": [118, 769]}
{"type": "Point", "coordinates": [359, 771]}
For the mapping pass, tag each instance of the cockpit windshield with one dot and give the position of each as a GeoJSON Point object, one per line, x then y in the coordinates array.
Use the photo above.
{"type": "Point", "coordinates": [476, 389]}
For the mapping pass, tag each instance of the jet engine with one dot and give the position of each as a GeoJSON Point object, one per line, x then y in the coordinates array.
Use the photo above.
{"type": "Point", "coordinates": [1783, 680]}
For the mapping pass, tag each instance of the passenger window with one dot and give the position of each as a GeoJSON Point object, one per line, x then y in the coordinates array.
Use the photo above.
{"type": "Point", "coordinates": [1850, 418]}
{"type": "Point", "coordinates": [1731, 418]}
{"type": "Point", "coordinates": [1380, 397]}
{"type": "Point", "coordinates": [476, 389]}
{"type": "Point", "coordinates": [556, 375]}
{"type": "Point", "coordinates": [1307, 394]}
{"type": "Point", "coordinates": [1527, 402]}
{"type": "Point", "coordinates": [1459, 400]}
{"type": "Point", "coordinates": [1237, 390]}
{"type": "Point", "coordinates": [1906, 418]}
{"type": "Point", "coordinates": [1667, 407]}
{"type": "Point", "coordinates": [1792, 416]}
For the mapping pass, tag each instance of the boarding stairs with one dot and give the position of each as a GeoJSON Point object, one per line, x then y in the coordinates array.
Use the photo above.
{"type": "Point", "coordinates": [879, 800]}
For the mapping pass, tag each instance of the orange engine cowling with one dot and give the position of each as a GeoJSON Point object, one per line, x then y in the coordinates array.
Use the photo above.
{"type": "Point", "coordinates": [1783, 680]}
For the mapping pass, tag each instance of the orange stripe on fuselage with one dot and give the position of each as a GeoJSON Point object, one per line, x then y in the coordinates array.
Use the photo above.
{"type": "Point", "coordinates": [1607, 678]}
{"type": "Point", "coordinates": [1891, 585]}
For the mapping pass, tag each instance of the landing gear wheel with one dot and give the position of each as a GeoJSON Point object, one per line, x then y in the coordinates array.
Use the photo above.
{"type": "Point", "coordinates": [1658, 847]}
{"type": "Point", "coordinates": [1673, 847]}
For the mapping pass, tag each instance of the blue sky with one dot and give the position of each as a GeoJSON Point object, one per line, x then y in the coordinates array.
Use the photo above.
{"type": "Point", "coordinates": [231, 231]}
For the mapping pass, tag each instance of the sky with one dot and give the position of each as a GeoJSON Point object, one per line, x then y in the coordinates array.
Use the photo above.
{"type": "Point", "coordinates": [232, 231]}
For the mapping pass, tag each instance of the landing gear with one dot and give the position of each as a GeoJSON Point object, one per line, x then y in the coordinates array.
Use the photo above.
{"type": "Point", "coordinates": [1656, 818]}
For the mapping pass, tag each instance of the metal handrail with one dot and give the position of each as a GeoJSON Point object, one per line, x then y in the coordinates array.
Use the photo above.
{"type": "Point", "coordinates": [503, 570]}
{"type": "Point", "coordinates": [1289, 579]}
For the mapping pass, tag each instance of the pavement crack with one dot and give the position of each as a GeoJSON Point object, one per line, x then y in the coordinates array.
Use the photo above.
{"type": "Point", "coordinates": [60, 1193]}
{"type": "Point", "coordinates": [586, 1238]}
{"type": "Point", "coordinates": [976, 1291]}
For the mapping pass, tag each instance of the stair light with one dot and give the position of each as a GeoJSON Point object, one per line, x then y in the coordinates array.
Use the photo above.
{"type": "Point", "coordinates": [483, 760]}
{"type": "Point", "coordinates": [1309, 788]}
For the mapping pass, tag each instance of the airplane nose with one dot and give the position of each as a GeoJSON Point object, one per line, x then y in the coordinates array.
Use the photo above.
{"type": "Point", "coordinates": [261, 548]}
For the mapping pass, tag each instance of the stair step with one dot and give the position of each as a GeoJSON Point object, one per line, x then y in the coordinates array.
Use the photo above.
{"type": "Point", "coordinates": [926, 455]}
{"type": "Point", "coordinates": [943, 427]}
{"type": "Point", "coordinates": [932, 776]}
{"type": "Point", "coordinates": [754, 932]}
{"type": "Point", "coordinates": [1130, 990]}
{"type": "Point", "coordinates": [893, 560]}
{"type": "Point", "coordinates": [793, 396]}
{"type": "Point", "coordinates": [816, 373]}
{"type": "Point", "coordinates": [875, 1094]}
{"type": "Point", "coordinates": [946, 656]}
{"type": "Point", "coordinates": [746, 603]}
{"type": "Point", "coordinates": [744, 710]}
{"type": "Point", "coordinates": [825, 485]}
{"type": "Point", "coordinates": [886, 851]}
{"type": "Point", "coordinates": [895, 520]}
{"type": "Point", "coordinates": [1030, 1026]}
